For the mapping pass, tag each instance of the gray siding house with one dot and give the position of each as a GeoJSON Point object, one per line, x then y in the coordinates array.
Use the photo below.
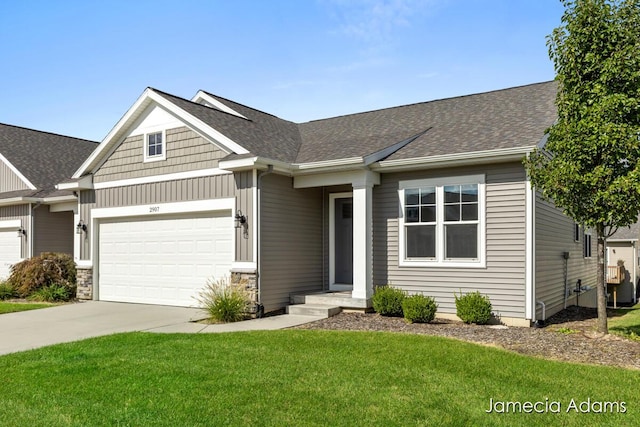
{"type": "Point", "coordinates": [34, 216]}
{"type": "Point", "coordinates": [429, 197]}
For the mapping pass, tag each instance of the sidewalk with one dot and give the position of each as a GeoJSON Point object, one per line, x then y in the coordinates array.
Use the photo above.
{"type": "Point", "coordinates": [265, 324]}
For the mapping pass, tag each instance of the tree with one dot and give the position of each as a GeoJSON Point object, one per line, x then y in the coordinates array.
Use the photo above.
{"type": "Point", "coordinates": [590, 164]}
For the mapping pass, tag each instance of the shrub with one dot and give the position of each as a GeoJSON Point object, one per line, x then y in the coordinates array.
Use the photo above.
{"type": "Point", "coordinates": [52, 293]}
{"type": "Point", "coordinates": [419, 308]}
{"type": "Point", "coordinates": [226, 301]}
{"type": "Point", "coordinates": [473, 308]}
{"type": "Point", "coordinates": [387, 301]}
{"type": "Point", "coordinates": [6, 291]}
{"type": "Point", "coordinates": [43, 271]}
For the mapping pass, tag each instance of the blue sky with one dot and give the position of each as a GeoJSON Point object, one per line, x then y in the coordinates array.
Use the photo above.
{"type": "Point", "coordinates": [75, 67]}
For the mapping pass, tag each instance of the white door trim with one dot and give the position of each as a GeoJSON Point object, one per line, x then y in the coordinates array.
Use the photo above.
{"type": "Point", "coordinates": [332, 242]}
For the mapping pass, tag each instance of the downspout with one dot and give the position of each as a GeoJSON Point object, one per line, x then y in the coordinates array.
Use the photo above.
{"type": "Point", "coordinates": [540, 323]}
{"type": "Point", "coordinates": [260, 308]}
{"type": "Point", "coordinates": [32, 227]}
{"type": "Point", "coordinates": [565, 255]}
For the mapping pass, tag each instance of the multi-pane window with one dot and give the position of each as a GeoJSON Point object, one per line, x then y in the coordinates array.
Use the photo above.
{"type": "Point", "coordinates": [587, 245]}
{"type": "Point", "coordinates": [420, 222]}
{"type": "Point", "coordinates": [154, 144]}
{"type": "Point", "coordinates": [461, 221]}
{"type": "Point", "coordinates": [441, 221]}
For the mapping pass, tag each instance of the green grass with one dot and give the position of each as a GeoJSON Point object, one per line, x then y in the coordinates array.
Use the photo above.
{"type": "Point", "coordinates": [626, 322]}
{"type": "Point", "coordinates": [297, 378]}
{"type": "Point", "coordinates": [12, 307]}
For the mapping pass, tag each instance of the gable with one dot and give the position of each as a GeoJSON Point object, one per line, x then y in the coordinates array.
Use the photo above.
{"type": "Point", "coordinates": [185, 150]}
{"type": "Point", "coordinates": [9, 180]}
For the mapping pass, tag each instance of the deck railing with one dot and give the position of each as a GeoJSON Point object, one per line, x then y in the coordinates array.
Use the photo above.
{"type": "Point", "coordinates": [614, 275]}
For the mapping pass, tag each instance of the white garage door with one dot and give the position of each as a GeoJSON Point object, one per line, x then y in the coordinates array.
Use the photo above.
{"type": "Point", "coordinates": [164, 260]}
{"type": "Point", "coordinates": [9, 251]}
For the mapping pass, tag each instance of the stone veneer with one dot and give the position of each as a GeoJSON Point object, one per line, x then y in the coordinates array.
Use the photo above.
{"type": "Point", "coordinates": [84, 279]}
{"type": "Point", "coordinates": [251, 286]}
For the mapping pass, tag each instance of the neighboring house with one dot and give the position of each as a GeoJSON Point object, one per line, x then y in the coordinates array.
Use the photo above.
{"type": "Point", "coordinates": [622, 251]}
{"type": "Point", "coordinates": [34, 216]}
{"type": "Point", "coordinates": [431, 197]}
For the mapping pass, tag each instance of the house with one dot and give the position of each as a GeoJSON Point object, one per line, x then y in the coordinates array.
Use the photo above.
{"type": "Point", "coordinates": [35, 217]}
{"type": "Point", "coordinates": [622, 252]}
{"type": "Point", "coordinates": [431, 197]}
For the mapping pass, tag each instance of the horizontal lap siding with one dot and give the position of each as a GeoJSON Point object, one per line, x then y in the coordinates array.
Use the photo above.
{"type": "Point", "coordinates": [9, 181]}
{"type": "Point", "coordinates": [20, 212]}
{"type": "Point", "coordinates": [290, 240]}
{"type": "Point", "coordinates": [186, 151]}
{"type": "Point", "coordinates": [503, 279]}
{"type": "Point", "coordinates": [554, 234]}
{"type": "Point", "coordinates": [238, 186]}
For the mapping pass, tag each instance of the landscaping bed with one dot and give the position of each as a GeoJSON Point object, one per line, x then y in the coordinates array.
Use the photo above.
{"type": "Point", "coordinates": [569, 336]}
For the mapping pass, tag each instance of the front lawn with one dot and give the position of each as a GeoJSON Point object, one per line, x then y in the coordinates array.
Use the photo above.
{"type": "Point", "coordinates": [626, 322]}
{"type": "Point", "coordinates": [300, 378]}
{"type": "Point", "coordinates": [12, 307]}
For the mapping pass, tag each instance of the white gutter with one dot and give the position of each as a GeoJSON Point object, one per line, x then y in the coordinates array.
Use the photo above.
{"type": "Point", "coordinates": [457, 159]}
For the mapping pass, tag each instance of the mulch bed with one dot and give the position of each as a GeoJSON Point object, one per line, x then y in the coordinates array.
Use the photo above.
{"type": "Point", "coordinates": [578, 343]}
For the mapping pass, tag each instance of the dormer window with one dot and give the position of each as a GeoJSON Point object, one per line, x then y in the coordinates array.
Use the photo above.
{"type": "Point", "coordinates": [154, 147]}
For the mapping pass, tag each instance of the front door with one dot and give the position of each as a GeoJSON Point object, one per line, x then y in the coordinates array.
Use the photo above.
{"type": "Point", "coordinates": [342, 243]}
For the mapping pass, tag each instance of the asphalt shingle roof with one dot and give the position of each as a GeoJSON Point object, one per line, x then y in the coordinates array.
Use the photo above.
{"type": "Point", "coordinates": [508, 118]}
{"type": "Point", "coordinates": [261, 134]}
{"type": "Point", "coordinates": [45, 159]}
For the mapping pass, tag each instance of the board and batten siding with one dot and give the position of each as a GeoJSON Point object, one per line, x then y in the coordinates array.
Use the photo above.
{"type": "Point", "coordinates": [53, 231]}
{"type": "Point", "coordinates": [185, 151]}
{"type": "Point", "coordinates": [554, 235]}
{"type": "Point", "coordinates": [9, 181]}
{"type": "Point", "coordinates": [503, 279]}
{"type": "Point", "coordinates": [237, 185]}
{"type": "Point", "coordinates": [290, 240]}
{"type": "Point", "coordinates": [21, 212]}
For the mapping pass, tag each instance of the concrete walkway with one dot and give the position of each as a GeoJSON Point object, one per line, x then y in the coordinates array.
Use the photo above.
{"type": "Point", "coordinates": [71, 322]}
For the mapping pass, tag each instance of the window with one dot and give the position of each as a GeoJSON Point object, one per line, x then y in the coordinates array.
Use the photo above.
{"type": "Point", "coordinates": [576, 232]}
{"type": "Point", "coordinates": [587, 245]}
{"type": "Point", "coordinates": [154, 147]}
{"type": "Point", "coordinates": [441, 222]}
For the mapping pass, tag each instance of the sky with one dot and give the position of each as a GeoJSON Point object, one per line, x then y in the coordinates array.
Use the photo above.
{"type": "Point", "coordinates": [76, 67]}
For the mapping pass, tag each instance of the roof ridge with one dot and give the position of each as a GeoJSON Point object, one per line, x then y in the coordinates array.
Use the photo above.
{"type": "Point", "coordinates": [48, 133]}
{"type": "Point", "coordinates": [428, 102]}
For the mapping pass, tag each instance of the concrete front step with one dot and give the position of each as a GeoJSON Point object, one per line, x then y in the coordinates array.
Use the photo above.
{"type": "Point", "coordinates": [317, 310]}
{"type": "Point", "coordinates": [339, 299]}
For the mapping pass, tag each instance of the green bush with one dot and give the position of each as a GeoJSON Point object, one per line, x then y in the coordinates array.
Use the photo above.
{"type": "Point", "coordinates": [226, 301]}
{"type": "Point", "coordinates": [44, 271]}
{"type": "Point", "coordinates": [419, 308]}
{"type": "Point", "coordinates": [52, 293]}
{"type": "Point", "coordinates": [387, 301]}
{"type": "Point", "coordinates": [6, 291]}
{"type": "Point", "coordinates": [473, 308]}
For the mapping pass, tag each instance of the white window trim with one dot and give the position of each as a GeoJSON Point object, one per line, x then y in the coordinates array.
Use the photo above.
{"type": "Point", "coordinates": [439, 260]}
{"type": "Point", "coordinates": [145, 145]}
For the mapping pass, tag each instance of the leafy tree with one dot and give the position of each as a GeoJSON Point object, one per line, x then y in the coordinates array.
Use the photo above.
{"type": "Point", "coordinates": [590, 165]}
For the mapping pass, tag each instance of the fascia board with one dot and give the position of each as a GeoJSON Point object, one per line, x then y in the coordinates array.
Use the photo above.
{"type": "Point", "coordinates": [83, 183]}
{"type": "Point", "coordinates": [19, 201]}
{"type": "Point", "coordinates": [458, 159]}
{"type": "Point", "coordinates": [15, 170]}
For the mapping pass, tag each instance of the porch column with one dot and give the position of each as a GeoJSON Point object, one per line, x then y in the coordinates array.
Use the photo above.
{"type": "Point", "coordinates": [363, 239]}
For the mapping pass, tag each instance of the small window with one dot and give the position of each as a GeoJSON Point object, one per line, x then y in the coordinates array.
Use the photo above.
{"type": "Point", "coordinates": [154, 147]}
{"type": "Point", "coordinates": [576, 232]}
{"type": "Point", "coordinates": [587, 245]}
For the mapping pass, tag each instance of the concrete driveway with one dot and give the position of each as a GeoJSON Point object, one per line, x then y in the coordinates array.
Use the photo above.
{"type": "Point", "coordinates": [71, 322]}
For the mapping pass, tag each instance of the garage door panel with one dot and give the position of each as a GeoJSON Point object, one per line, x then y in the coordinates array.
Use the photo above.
{"type": "Point", "coordinates": [9, 251]}
{"type": "Point", "coordinates": [163, 260]}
